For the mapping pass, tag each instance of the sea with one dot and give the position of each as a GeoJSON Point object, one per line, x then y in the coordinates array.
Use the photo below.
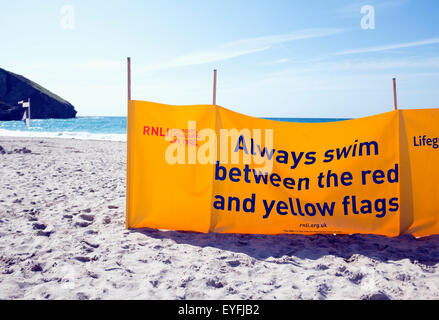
{"type": "Point", "coordinates": [94, 128]}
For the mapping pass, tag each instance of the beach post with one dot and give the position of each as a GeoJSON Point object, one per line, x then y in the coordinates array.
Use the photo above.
{"type": "Point", "coordinates": [129, 77]}
{"type": "Point", "coordinates": [395, 102]}
{"type": "Point", "coordinates": [214, 87]}
{"type": "Point", "coordinates": [26, 115]}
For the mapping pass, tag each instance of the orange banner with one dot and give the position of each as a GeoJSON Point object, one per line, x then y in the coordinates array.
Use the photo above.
{"type": "Point", "coordinates": [208, 169]}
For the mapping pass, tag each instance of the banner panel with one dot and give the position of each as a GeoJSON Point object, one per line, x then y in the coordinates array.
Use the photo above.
{"type": "Point", "coordinates": [419, 160]}
{"type": "Point", "coordinates": [338, 177]}
{"type": "Point", "coordinates": [162, 194]}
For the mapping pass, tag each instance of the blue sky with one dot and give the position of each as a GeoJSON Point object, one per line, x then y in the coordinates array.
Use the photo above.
{"type": "Point", "coordinates": [274, 58]}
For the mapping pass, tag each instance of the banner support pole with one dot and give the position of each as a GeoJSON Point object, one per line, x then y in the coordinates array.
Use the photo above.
{"type": "Point", "coordinates": [129, 77]}
{"type": "Point", "coordinates": [129, 111]}
{"type": "Point", "coordinates": [214, 87]}
{"type": "Point", "coordinates": [395, 101]}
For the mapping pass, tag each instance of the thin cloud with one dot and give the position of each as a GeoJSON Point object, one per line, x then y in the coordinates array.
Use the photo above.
{"type": "Point", "coordinates": [358, 66]}
{"type": "Point", "coordinates": [242, 47]}
{"type": "Point", "coordinates": [278, 61]}
{"type": "Point", "coordinates": [390, 47]}
{"type": "Point", "coordinates": [100, 64]}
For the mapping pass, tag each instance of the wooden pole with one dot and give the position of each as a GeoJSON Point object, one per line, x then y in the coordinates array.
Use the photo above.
{"type": "Point", "coordinates": [395, 101]}
{"type": "Point", "coordinates": [129, 77]}
{"type": "Point", "coordinates": [214, 87]}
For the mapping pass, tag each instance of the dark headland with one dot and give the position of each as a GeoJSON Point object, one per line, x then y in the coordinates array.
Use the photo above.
{"type": "Point", "coordinates": [44, 104]}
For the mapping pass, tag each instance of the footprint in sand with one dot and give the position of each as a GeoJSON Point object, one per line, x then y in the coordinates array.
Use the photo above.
{"type": "Point", "coordinates": [323, 290]}
{"type": "Point", "coordinates": [376, 296]}
{"type": "Point", "coordinates": [88, 220]}
{"type": "Point", "coordinates": [92, 275]}
{"type": "Point", "coordinates": [83, 259]}
{"type": "Point", "coordinates": [233, 263]}
{"type": "Point", "coordinates": [95, 246]}
{"type": "Point", "coordinates": [214, 283]}
{"type": "Point", "coordinates": [82, 296]}
{"type": "Point", "coordinates": [37, 268]}
{"type": "Point", "coordinates": [87, 217]}
{"type": "Point", "coordinates": [356, 278]}
{"type": "Point", "coordinates": [39, 226]}
{"type": "Point", "coordinates": [82, 224]}
{"type": "Point", "coordinates": [322, 267]}
{"type": "Point", "coordinates": [44, 233]}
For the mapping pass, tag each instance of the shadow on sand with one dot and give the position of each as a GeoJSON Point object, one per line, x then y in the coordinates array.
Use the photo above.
{"type": "Point", "coordinates": [424, 251]}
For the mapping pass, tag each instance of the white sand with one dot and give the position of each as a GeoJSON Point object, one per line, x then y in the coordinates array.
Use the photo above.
{"type": "Point", "coordinates": [62, 236]}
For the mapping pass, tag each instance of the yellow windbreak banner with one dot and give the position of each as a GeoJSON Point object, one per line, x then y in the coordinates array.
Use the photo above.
{"type": "Point", "coordinates": [205, 168]}
{"type": "Point", "coordinates": [419, 132]}
{"type": "Point", "coordinates": [166, 195]}
{"type": "Point", "coordinates": [338, 177]}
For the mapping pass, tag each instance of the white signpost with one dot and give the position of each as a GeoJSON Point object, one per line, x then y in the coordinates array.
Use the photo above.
{"type": "Point", "coordinates": [26, 115]}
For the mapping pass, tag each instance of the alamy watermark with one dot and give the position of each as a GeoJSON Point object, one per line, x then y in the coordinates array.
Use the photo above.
{"type": "Point", "coordinates": [192, 146]}
{"type": "Point", "coordinates": [368, 19]}
{"type": "Point", "coordinates": [67, 21]}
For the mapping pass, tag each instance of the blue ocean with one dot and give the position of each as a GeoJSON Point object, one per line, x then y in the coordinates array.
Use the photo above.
{"type": "Point", "coordinates": [94, 128]}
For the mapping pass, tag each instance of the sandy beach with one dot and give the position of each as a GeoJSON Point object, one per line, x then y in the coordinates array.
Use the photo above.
{"type": "Point", "coordinates": [63, 236]}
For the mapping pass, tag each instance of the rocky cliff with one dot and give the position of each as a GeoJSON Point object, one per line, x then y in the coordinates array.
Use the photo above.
{"type": "Point", "coordinates": [44, 104]}
{"type": "Point", "coordinates": [8, 112]}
